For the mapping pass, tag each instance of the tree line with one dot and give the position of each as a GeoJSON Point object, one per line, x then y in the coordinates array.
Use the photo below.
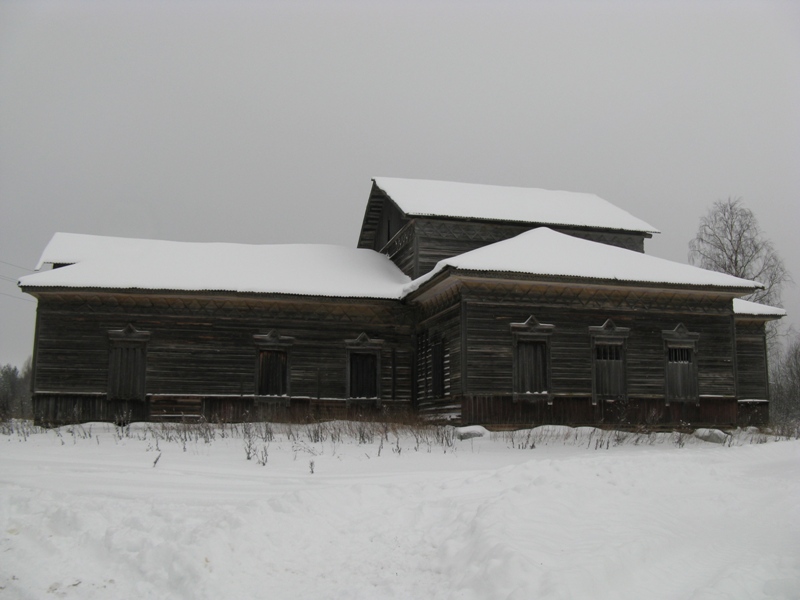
{"type": "Point", "coordinates": [15, 392]}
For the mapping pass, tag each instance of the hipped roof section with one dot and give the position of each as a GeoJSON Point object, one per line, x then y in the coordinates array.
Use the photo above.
{"type": "Point", "coordinates": [549, 254]}
{"type": "Point", "coordinates": [334, 271]}
{"type": "Point", "coordinates": [419, 197]}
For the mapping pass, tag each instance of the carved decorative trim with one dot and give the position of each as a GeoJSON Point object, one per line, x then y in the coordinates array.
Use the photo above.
{"type": "Point", "coordinates": [272, 340]}
{"type": "Point", "coordinates": [680, 337]}
{"type": "Point", "coordinates": [401, 239]}
{"type": "Point", "coordinates": [347, 311]}
{"type": "Point", "coordinates": [128, 334]}
{"type": "Point", "coordinates": [597, 297]}
{"type": "Point", "coordinates": [363, 342]}
{"type": "Point", "coordinates": [608, 332]}
{"type": "Point", "coordinates": [532, 328]}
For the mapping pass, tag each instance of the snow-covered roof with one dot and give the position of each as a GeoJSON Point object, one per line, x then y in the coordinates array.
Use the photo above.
{"type": "Point", "coordinates": [420, 197]}
{"type": "Point", "coordinates": [549, 253]}
{"type": "Point", "coordinates": [745, 307]}
{"type": "Point", "coordinates": [323, 270]}
{"type": "Point", "coordinates": [304, 269]}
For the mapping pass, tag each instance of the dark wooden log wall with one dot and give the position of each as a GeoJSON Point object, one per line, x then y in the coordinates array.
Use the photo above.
{"type": "Point", "coordinates": [402, 250]}
{"type": "Point", "coordinates": [573, 411]}
{"type": "Point", "coordinates": [443, 238]}
{"type": "Point", "coordinates": [439, 324]}
{"type": "Point", "coordinates": [489, 361]}
{"type": "Point", "coordinates": [751, 359]}
{"type": "Point", "coordinates": [490, 311]}
{"type": "Point", "coordinates": [204, 345]}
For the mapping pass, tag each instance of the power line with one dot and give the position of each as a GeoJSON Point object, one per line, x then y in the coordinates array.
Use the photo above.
{"type": "Point", "coordinates": [16, 266]}
{"type": "Point", "coordinates": [11, 279]}
{"type": "Point", "coordinates": [17, 298]}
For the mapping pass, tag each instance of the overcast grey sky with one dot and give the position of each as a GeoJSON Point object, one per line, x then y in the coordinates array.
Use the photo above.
{"type": "Point", "coordinates": [262, 122]}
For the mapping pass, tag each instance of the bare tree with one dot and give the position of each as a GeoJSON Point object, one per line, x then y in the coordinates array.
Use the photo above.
{"type": "Point", "coordinates": [730, 241]}
{"type": "Point", "coordinates": [785, 387]}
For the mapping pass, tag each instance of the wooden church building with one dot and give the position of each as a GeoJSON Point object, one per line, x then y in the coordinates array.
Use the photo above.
{"type": "Point", "coordinates": [471, 303]}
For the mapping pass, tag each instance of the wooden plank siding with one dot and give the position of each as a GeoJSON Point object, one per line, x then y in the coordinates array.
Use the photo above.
{"type": "Point", "coordinates": [440, 238]}
{"type": "Point", "coordinates": [438, 324]}
{"type": "Point", "coordinates": [752, 371]}
{"type": "Point", "coordinates": [204, 347]}
{"type": "Point", "coordinates": [201, 355]}
{"type": "Point", "coordinates": [489, 361]}
{"type": "Point", "coordinates": [751, 358]}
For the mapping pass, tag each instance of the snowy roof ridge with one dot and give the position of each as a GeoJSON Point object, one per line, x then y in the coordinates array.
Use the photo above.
{"type": "Point", "coordinates": [548, 253]}
{"type": "Point", "coordinates": [300, 269]}
{"type": "Point", "coordinates": [422, 197]}
{"type": "Point", "coordinates": [746, 307]}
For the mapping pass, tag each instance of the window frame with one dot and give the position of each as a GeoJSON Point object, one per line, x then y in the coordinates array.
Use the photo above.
{"type": "Point", "coordinates": [531, 331]}
{"type": "Point", "coordinates": [273, 342]}
{"type": "Point", "coordinates": [127, 338]}
{"type": "Point", "coordinates": [364, 345]}
{"type": "Point", "coordinates": [608, 334]}
{"type": "Point", "coordinates": [681, 338]}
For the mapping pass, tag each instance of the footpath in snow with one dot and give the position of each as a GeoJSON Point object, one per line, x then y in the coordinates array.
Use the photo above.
{"type": "Point", "coordinates": [362, 511]}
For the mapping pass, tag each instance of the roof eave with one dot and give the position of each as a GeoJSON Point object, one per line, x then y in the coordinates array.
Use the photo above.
{"type": "Point", "coordinates": [450, 271]}
{"type": "Point", "coordinates": [36, 291]}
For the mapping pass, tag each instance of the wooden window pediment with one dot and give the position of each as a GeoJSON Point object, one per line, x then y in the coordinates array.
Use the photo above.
{"type": "Point", "coordinates": [272, 340]}
{"type": "Point", "coordinates": [680, 365]}
{"type": "Point", "coordinates": [531, 360]}
{"type": "Point", "coordinates": [609, 362]}
{"type": "Point", "coordinates": [128, 334]}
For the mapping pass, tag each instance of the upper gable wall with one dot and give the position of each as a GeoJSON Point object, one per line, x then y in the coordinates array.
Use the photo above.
{"type": "Point", "coordinates": [415, 244]}
{"type": "Point", "coordinates": [382, 220]}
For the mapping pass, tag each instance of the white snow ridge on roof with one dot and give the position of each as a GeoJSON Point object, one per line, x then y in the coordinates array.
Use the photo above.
{"type": "Point", "coordinates": [500, 203]}
{"type": "Point", "coordinates": [549, 253]}
{"type": "Point", "coordinates": [745, 307]}
{"type": "Point", "coordinates": [304, 269]}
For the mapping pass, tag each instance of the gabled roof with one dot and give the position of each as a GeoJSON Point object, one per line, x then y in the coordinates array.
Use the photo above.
{"type": "Point", "coordinates": [419, 197]}
{"type": "Point", "coordinates": [550, 254]}
{"type": "Point", "coordinates": [304, 269]}
{"type": "Point", "coordinates": [754, 309]}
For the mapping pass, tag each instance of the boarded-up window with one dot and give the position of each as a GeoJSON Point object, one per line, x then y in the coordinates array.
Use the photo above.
{"type": "Point", "coordinates": [681, 381]}
{"type": "Point", "coordinates": [363, 375]}
{"type": "Point", "coordinates": [273, 351]}
{"type": "Point", "coordinates": [272, 373]}
{"type": "Point", "coordinates": [609, 371]}
{"type": "Point", "coordinates": [127, 363]}
{"type": "Point", "coordinates": [531, 366]}
{"type": "Point", "coordinates": [126, 372]}
{"type": "Point", "coordinates": [680, 373]}
{"type": "Point", "coordinates": [531, 371]}
{"type": "Point", "coordinates": [609, 343]}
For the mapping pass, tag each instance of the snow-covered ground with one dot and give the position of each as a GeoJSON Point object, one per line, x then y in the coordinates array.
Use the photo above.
{"type": "Point", "coordinates": [95, 511]}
